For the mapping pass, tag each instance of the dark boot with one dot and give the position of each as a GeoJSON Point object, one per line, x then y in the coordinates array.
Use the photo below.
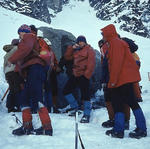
{"type": "Point", "coordinates": [41, 131]}
{"type": "Point", "coordinates": [138, 133]}
{"type": "Point", "coordinates": [108, 124]}
{"type": "Point", "coordinates": [23, 131]}
{"type": "Point", "coordinates": [27, 128]}
{"type": "Point", "coordinates": [85, 119]}
{"type": "Point", "coordinates": [115, 134]}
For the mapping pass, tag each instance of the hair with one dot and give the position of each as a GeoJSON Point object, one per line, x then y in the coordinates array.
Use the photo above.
{"type": "Point", "coordinates": [33, 29]}
{"type": "Point", "coordinates": [101, 43]}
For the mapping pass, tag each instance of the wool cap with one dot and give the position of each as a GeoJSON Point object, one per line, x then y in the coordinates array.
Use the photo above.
{"type": "Point", "coordinates": [81, 39]}
{"type": "Point", "coordinates": [24, 28]}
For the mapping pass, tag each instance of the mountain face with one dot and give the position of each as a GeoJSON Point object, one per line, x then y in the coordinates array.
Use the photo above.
{"type": "Point", "coordinates": [133, 15]}
{"type": "Point", "coordinates": [37, 9]}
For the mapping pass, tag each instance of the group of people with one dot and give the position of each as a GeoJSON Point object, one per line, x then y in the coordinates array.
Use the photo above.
{"type": "Point", "coordinates": [120, 77]}
{"type": "Point", "coordinates": [32, 80]}
{"type": "Point", "coordinates": [34, 66]}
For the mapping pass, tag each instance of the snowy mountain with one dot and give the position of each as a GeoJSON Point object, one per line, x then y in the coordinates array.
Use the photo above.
{"type": "Point", "coordinates": [133, 15]}
{"type": "Point", "coordinates": [93, 135]}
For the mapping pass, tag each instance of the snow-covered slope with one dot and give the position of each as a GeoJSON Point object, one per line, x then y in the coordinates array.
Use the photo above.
{"type": "Point", "coordinates": [93, 134]}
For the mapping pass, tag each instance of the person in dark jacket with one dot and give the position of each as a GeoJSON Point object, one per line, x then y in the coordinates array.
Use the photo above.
{"type": "Point", "coordinates": [83, 66]}
{"type": "Point", "coordinates": [33, 68]}
{"type": "Point", "coordinates": [123, 72]}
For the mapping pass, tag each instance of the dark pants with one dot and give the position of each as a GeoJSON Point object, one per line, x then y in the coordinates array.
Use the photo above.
{"type": "Point", "coordinates": [123, 95]}
{"type": "Point", "coordinates": [13, 100]}
{"type": "Point", "coordinates": [33, 90]}
{"type": "Point", "coordinates": [15, 81]}
{"type": "Point", "coordinates": [78, 82]}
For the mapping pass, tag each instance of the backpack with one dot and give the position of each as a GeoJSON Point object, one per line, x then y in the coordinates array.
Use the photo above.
{"type": "Point", "coordinates": [44, 53]}
{"type": "Point", "coordinates": [133, 47]}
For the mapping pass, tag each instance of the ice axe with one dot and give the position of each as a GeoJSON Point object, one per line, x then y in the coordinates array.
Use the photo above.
{"type": "Point", "coordinates": [4, 95]}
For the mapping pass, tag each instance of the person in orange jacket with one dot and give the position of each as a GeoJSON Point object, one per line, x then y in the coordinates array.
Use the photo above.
{"type": "Point", "coordinates": [123, 72]}
{"type": "Point", "coordinates": [83, 66]}
{"type": "Point", "coordinates": [104, 46]}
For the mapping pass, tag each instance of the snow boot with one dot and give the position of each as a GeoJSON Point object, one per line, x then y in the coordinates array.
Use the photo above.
{"type": "Point", "coordinates": [23, 131]}
{"type": "Point", "coordinates": [46, 128]}
{"type": "Point", "coordinates": [42, 131]}
{"type": "Point", "coordinates": [108, 124]}
{"type": "Point", "coordinates": [27, 128]}
{"type": "Point", "coordinates": [115, 134]}
{"type": "Point", "coordinates": [137, 133]}
{"type": "Point", "coordinates": [85, 119]}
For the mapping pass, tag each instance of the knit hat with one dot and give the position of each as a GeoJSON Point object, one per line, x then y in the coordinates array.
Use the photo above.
{"type": "Point", "coordinates": [81, 39]}
{"type": "Point", "coordinates": [24, 28]}
{"type": "Point", "coordinates": [33, 29]}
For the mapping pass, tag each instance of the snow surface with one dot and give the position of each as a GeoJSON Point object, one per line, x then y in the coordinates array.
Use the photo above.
{"type": "Point", "coordinates": [77, 18]}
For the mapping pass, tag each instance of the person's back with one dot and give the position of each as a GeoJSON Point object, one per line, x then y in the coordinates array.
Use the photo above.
{"type": "Point", "coordinates": [123, 72]}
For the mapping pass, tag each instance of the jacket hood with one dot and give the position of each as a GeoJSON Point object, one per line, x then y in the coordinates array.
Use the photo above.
{"type": "Point", "coordinates": [109, 32]}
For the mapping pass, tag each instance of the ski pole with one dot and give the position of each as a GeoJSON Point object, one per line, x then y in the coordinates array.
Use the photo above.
{"type": "Point", "coordinates": [81, 140]}
{"type": "Point", "coordinates": [17, 119]}
{"type": "Point", "coordinates": [76, 130]}
{"type": "Point", "coordinates": [4, 94]}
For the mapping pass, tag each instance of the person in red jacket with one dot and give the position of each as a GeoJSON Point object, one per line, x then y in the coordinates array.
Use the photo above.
{"type": "Point", "coordinates": [83, 66]}
{"type": "Point", "coordinates": [123, 72]}
{"type": "Point", "coordinates": [34, 68]}
{"type": "Point", "coordinates": [104, 46]}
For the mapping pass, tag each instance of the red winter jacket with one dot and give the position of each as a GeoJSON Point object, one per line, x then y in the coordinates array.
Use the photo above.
{"type": "Point", "coordinates": [122, 66]}
{"type": "Point", "coordinates": [25, 55]}
{"type": "Point", "coordinates": [84, 60]}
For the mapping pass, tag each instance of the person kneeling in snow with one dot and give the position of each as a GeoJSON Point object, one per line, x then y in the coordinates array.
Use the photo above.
{"type": "Point", "coordinates": [33, 66]}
